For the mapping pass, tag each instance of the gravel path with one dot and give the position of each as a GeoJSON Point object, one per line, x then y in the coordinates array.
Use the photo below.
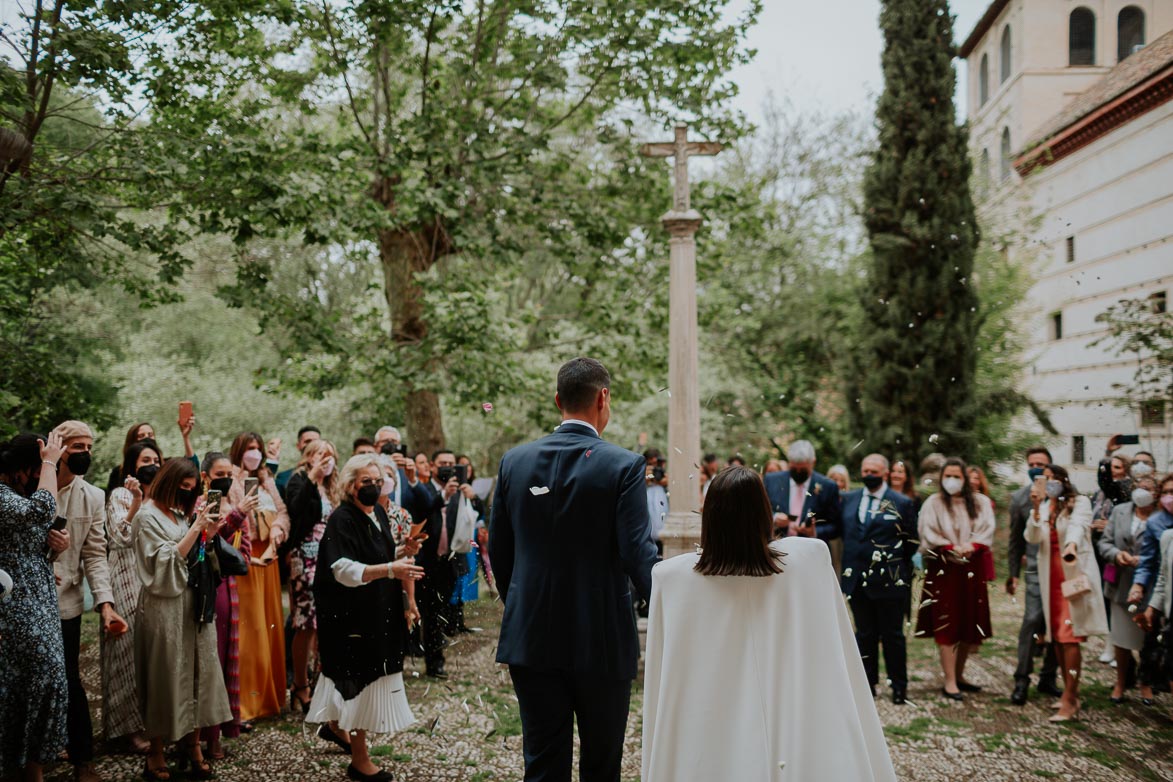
{"type": "Point", "coordinates": [468, 729]}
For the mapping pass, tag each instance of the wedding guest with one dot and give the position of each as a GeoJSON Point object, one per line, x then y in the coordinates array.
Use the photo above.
{"type": "Point", "coordinates": [1159, 607]}
{"type": "Point", "coordinates": [1120, 548]}
{"type": "Point", "coordinates": [34, 693]}
{"type": "Point", "coordinates": [710, 466]}
{"type": "Point", "coordinates": [435, 557]}
{"type": "Point", "coordinates": [387, 436]}
{"type": "Point", "coordinates": [1034, 623]}
{"type": "Point", "coordinates": [842, 478]}
{"type": "Point", "coordinates": [361, 621]}
{"type": "Point", "coordinates": [879, 539]}
{"type": "Point", "coordinates": [262, 625]}
{"type": "Point", "coordinates": [1060, 522]}
{"type": "Point", "coordinates": [144, 431]}
{"type": "Point", "coordinates": [466, 504]}
{"type": "Point", "coordinates": [217, 475]}
{"type": "Point", "coordinates": [401, 523]}
{"type": "Point", "coordinates": [736, 459]}
{"type": "Point", "coordinates": [180, 681]}
{"type": "Point", "coordinates": [309, 508]}
{"type": "Point", "coordinates": [741, 605]}
{"type": "Point", "coordinates": [1113, 473]}
{"type": "Point", "coordinates": [773, 465]}
{"type": "Point", "coordinates": [805, 502]}
{"type": "Point", "coordinates": [980, 484]}
{"type": "Point", "coordinates": [84, 506]}
{"type": "Point", "coordinates": [120, 712]}
{"type": "Point", "coordinates": [305, 436]}
{"type": "Point", "coordinates": [900, 480]}
{"type": "Point", "coordinates": [363, 446]}
{"type": "Point", "coordinates": [1145, 575]}
{"type": "Point", "coordinates": [656, 486]}
{"type": "Point", "coordinates": [956, 533]}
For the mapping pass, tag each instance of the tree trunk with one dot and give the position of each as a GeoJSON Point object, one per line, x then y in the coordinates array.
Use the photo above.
{"type": "Point", "coordinates": [403, 254]}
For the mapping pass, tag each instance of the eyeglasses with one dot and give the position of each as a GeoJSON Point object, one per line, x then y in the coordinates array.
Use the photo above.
{"type": "Point", "coordinates": [369, 482]}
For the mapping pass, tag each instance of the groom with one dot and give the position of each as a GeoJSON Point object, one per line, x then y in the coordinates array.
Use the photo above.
{"type": "Point", "coordinates": [569, 528]}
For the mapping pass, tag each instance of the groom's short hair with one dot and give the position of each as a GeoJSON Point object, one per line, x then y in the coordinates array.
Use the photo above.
{"type": "Point", "coordinates": [579, 382]}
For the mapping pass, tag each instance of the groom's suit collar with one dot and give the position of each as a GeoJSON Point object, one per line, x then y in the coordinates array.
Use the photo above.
{"type": "Point", "coordinates": [575, 424]}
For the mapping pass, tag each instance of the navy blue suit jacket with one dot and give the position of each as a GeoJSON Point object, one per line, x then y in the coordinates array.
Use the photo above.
{"type": "Point", "coordinates": [569, 528]}
{"type": "Point", "coordinates": [890, 531]}
{"type": "Point", "coordinates": [821, 503]}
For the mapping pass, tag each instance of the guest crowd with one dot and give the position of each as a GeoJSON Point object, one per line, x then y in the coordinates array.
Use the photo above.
{"type": "Point", "coordinates": [187, 559]}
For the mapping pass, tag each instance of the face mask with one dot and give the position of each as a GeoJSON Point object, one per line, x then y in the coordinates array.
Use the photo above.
{"type": "Point", "coordinates": [799, 475]}
{"type": "Point", "coordinates": [252, 459]}
{"type": "Point", "coordinates": [952, 485]}
{"type": "Point", "coordinates": [147, 473]}
{"type": "Point", "coordinates": [185, 497]}
{"type": "Point", "coordinates": [1034, 472]}
{"type": "Point", "coordinates": [873, 482]}
{"type": "Point", "coordinates": [1142, 498]}
{"type": "Point", "coordinates": [388, 487]}
{"type": "Point", "coordinates": [328, 467]}
{"type": "Point", "coordinates": [1054, 489]}
{"type": "Point", "coordinates": [1140, 470]}
{"type": "Point", "coordinates": [1167, 502]}
{"type": "Point", "coordinates": [31, 485]}
{"type": "Point", "coordinates": [79, 462]}
{"type": "Point", "coordinates": [368, 495]}
{"type": "Point", "coordinates": [221, 485]}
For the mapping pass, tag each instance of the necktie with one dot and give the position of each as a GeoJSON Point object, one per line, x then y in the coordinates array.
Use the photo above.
{"type": "Point", "coordinates": [443, 549]}
{"type": "Point", "coordinates": [867, 514]}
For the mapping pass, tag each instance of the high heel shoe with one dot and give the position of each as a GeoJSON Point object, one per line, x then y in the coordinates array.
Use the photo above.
{"type": "Point", "coordinates": [1065, 718]}
{"type": "Point", "coordinates": [953, 696]}
{"type": "Point", "coordinates": [326, 733]}
{"type": "Point", "coordinates": [156, 775]}
{"type": "Point", "coordinates": [305, 705]}
{"type": "Point", "coordinates": [195, 769]}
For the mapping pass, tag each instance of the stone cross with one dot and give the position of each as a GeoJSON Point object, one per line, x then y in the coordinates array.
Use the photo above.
{"type": "Point", "coordinates": [682, 528]}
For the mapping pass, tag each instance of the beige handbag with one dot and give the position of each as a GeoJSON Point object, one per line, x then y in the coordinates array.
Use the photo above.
{"type": "Point", "coordinates": [1074, 587]}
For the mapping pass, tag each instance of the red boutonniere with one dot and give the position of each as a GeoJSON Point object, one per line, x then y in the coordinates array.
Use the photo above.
{"type": "Point", "coordinates": [818, 488]}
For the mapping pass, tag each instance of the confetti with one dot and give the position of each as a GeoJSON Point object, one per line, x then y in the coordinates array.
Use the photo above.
{"type": "Point", "coordinates": [538, 491]}
{"type": "Point", "coordinates": [487, 407]}
{"type": "Point", "coordinates": [934, 438]}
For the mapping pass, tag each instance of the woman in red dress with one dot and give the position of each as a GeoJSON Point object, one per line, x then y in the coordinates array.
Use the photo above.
{"type": "Point", "coordinates": [956, 533]}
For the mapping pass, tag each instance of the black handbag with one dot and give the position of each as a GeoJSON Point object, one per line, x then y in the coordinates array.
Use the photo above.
{"type": "Point", "coordinates": [230, 562]}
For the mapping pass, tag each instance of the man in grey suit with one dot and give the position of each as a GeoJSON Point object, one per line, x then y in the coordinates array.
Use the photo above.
{"type": "Point", "coordinates": [1033, 624]}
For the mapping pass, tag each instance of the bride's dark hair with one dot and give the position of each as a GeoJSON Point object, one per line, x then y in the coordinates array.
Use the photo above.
{"type": "Point", "coordinates": [736, 527]}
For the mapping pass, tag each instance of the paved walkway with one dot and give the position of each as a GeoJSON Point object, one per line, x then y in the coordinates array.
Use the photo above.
{"type": "Point", "coordinates": [469, 731]}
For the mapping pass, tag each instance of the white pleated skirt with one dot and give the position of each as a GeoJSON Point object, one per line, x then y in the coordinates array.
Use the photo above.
{"type": "Point", "coordinates": [381, 707]}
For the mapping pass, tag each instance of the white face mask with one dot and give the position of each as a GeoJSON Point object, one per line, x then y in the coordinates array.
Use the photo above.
{"type": "Point", "coordinates": [1140, 470]}
{"type": "Point", "coordinates": [1054, 489]}
{"type": "Point", "coordinates": [328, 467]}
{"type": "Point", "coordinates": [952, 485]}
{"type": "Point", "coordinates": [1142, 498]}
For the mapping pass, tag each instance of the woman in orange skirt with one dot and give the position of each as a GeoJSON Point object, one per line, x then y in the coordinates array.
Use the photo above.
{"type": "Point", "coordinates": [262, 622]}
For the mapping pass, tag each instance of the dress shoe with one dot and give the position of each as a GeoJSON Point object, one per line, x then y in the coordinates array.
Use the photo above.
{"type": "Point", "coordinates": [1064, 717]}
{"type": "Point", "coordinates": [1049, 688]}
{"type": "Point", "coordinates": [326, 733]}
{"type": "Point", "coordinates": [953, 696]}
{"type": "Point", "coordinates": [967, 687]}
{"type": "Point", "coordinates": [438, 672]}
{"type": "Point", "coordinates": [898, 696]}
{"type": "Point", "coordinates": [1018, 697]}
{"type": "Point", "coordinates": [378, 776]}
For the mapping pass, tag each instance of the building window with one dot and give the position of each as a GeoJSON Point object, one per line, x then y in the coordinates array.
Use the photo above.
{"type": "Point", "coordinates": [1056, 326]}
{"type": "Point", "coordinates": [1159, 302]}
{"type": "Point", "coordinates": [1152, 413]}
{"type": "Point", "coordinates": [1077, 449]}
{"type": "Point", "coordinates": [1005, 70]}
{"type": "Point", "coordinates": [1071, 249]}
{"type": "Point", "coordinates": [1081, 39]}
{"type": "Point", "coordinates": [1004, 168]}
{"type": "Point", "coordinates": [1129, 32]}
{"type": "Point", "coordinates": [984, 80]}
{"type": "Point", "coordinates": [984, 173]}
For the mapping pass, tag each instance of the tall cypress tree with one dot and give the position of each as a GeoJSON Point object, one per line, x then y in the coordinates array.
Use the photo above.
{"type": "Point", "coordinates": [916, 359]}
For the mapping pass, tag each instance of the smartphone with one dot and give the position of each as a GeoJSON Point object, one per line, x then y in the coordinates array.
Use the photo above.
{"type": "Point", "coordinates": [401, 449]}
{"type": "Point", "coordinates": [1128, 439]}
{"type": "Point", "coordinates": [417, 529]}
{"type": "Point", "coordinates": [185, 413]}
{"type": "Point", "coordinates": [213, 506]}
{"type": "Point", "coordinates": [58, 524]}
{"type": "Point", "coordinates": [445, 474]}
{"type": "Point", "coordinates": [462, 473]}
{"type": "Point", "coordinates": [250, 486]}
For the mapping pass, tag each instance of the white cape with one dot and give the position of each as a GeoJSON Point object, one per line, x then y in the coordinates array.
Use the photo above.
{"type": "Point", "coordinates": [756, 679]}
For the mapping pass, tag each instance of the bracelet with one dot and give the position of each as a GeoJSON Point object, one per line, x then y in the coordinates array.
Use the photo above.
{"type": "Point", "coordinates": [51, 464]}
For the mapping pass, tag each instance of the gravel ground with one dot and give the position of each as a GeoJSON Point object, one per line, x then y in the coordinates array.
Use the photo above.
{"type": "Point", "coordinates": [468, 729]}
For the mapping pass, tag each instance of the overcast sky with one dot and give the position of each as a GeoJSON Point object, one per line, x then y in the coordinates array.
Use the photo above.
{"type": "Point", "coordinates": [824, 54]}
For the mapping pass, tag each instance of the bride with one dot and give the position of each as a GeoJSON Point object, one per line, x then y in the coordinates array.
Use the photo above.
{"type": "Point", "coordinates": [752, 672]}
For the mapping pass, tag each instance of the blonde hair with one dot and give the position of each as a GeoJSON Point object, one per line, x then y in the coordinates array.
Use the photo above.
{"type": "Point", "coordinates": [310, 452]}
{"type": "Point", "coordinates": [70, 430]}
{"type": "Point", "coordinates": [354, 465]}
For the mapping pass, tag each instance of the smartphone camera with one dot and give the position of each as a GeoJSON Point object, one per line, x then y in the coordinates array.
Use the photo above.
{"type": "Point", "coordinates": [445, 474]}
{"type": "Point", "coordinates": [462, 473]}
{"type": "Point", "coordinates": [657, 474]}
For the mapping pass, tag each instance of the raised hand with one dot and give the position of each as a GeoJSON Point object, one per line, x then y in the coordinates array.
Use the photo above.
{"type": "Point", "coordinates": [52, 448]}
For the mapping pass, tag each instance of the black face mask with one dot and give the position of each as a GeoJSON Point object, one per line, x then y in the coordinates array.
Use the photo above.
{"type": "Point", "coordinates": [185, 497]}
{"type": "Point", "coordinates": [79, 462]}
{"type": "Point", "coordinates": [31, 484]}
{"type": "Point", "coordinates": [147, 473]}
{"type": "Point", "coordinates": [221, 485]}
{"type": "Point", "coordinates": [873, 482]}
{"type": "Point", "coordinates": [799, 475]}
{"type": "Point", "coordinates": [368, 495]}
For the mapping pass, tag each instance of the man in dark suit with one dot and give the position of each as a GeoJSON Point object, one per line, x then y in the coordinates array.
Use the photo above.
{"type": "Point", "coordinates": [430, 500]}
{"type": "Point", "coordinates": [805, 502]}
{"type": "Point", "coordinates": [1034, 625]}
{"type": "Point", "coordinates": [569, 528]}
{"type": "Point", "coordinates": [879, 539]}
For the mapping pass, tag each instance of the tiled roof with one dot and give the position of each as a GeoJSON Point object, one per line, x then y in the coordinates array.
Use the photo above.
{"type": "Point", "coordinates": [983, 26]}
{"type": "Point", "coordinates": [1130, 73]}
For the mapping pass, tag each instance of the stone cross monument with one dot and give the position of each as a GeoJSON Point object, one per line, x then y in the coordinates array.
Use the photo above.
{"type": "Point", "coordinates": [682, 529]}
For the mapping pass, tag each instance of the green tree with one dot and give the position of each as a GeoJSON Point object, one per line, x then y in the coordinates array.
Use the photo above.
{"type": "Point", "coordinates": [1141, 329]}
{"type": "Point", "coordinates": [916, 356]}
{"type": "Point", "coordinates": [460, 144]}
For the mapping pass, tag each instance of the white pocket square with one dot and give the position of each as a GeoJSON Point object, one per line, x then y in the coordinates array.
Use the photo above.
{"type": "Point", "coordinates": [538, 491]}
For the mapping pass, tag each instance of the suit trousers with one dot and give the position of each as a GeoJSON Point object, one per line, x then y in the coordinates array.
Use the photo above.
{"type": "Point", "coordinates": [431, 595]}
{"type": "Point", "coordinates": [1034, 624]}
{"type": "Point", "coordinates": [549, 702]}
{"type": "Point", "coordinates": [79, 728]}
{"type": "Point", "coordinates": [881, 620]}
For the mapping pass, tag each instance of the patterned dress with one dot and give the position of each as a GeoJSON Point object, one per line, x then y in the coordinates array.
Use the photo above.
{"type": "Point", "coordinates": [303, 563]}
{"type": "Point", "coordinates": [120, 714]}
{"type": "Point", "coordinates": [234, 533]}
{"type": "Point", "coordinates": [33, 691]}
